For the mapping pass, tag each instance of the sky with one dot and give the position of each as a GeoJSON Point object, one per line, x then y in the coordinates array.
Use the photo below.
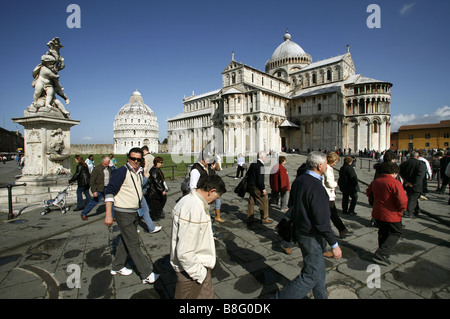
{"type": "Point", "coordinates": [168, 49]}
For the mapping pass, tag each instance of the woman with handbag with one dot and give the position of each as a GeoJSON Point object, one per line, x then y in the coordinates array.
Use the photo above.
{"type": "Point", "coordinates": [82, 177]}
{"type": "Point", "coordinates": [156, 192]}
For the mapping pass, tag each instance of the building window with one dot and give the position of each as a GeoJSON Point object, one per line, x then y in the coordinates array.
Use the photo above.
{"type": "Point", "coordinates": [319, 107]}
{"type": "Point", "coordinates": [410, 136]}
{"type": "Point", "coordinates": [427, 136]}
{"type": "Point", "coordinates": [427, 144]}
{"type": "Point", "coordinates": [314, 78]}
{"type": "Point", "coordinates": [446, 135]}
{"type": "Point", "coordinates": [328, 75]}
{"type": "Point", "coordinates": [299, 110]}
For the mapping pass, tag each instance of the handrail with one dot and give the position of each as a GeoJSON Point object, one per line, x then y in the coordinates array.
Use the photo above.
{"type": "Point", "coordinates": [9, 186]}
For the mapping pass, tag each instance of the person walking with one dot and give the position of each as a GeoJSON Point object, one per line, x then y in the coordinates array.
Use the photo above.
{"type": "Point", "coordinates": [257, 191]}
{"type": "Point", "coordinates": [390, 201]}
{"type": "Point", "coordinates": [240, 166]}
{"type": "Point", "coordinates": [90, 163]}
{"type": "Point", "coordinates": [349, 186]}
{"type": "Point", "coordinates": [330, 186]}
{"type": "Point", "coordinates": [428, 175]}
{"type": "Point", "coordinates": [99, 180]}
{"type": "Point", "coordinates": [156, 193]}
{"type": "Point", "coordinates": [279, 184]}
{"type": "Point", "coordinates": [444, 161]}
{"type": "Point", "coordinates": [310, 213]}
{"type": "Point", "coordinates": [125, 191]}
{"type": "Point", "coordinates": [213, 168]}
{"type": "Point", "coordinates": [146, 164]}
{"type": "Point", "coordinates": [412, 172]}
{"type": "Point", "coordinates": [82, 177]}
{"type": "Point", "coordinates": [192, 248]}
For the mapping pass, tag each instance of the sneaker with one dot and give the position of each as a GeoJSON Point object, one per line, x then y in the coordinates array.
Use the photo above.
{"type": "Point", "coordinates": [157, 229]}
{"type": "Point", "coordinates": [287, 250]}
{"type": "Point", "coordinates": [124, 272]}
{"type": "Point", "coordinates": [151, 278]}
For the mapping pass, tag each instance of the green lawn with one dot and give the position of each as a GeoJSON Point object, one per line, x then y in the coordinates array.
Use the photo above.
{"type": "Point", "coordinates": [174, 166]}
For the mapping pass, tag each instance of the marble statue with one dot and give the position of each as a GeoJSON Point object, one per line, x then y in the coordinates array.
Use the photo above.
{"type": "Point", "coordinates": [46, 83]}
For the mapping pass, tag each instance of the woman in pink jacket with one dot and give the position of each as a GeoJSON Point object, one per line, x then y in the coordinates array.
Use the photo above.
{"type": "Point", "coordinates": [390, 201]}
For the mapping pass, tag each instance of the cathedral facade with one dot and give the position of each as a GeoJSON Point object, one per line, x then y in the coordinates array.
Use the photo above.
{"type": "Point", "coordinates": [294, 104]}
{"type": "Point", "coordinates": [135, 125]}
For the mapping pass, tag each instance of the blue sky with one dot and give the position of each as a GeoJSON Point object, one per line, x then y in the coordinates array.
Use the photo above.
{"type": "Point", "coordinates": [167, 49]}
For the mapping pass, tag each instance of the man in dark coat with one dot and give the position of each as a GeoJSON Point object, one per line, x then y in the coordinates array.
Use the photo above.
{"type": "Point", "coordinates": [310, 213]}
{"type": "Point", "coordinates": [349, 186]}
{"type": "Point", "coordinates": [412, 171]}
{"type": "Point", "coordinates": [257, 190]}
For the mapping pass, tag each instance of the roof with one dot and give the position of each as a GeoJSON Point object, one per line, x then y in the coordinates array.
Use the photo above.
{"type": "Point", "coordinates": [286, 123]}
{"type": "Point", "coordinates": [325, 62]}
{"type": "Point", "coordinates": [441, 124]}
{"type": "Point", "coordinates": [195, 97]}
{"type": "Point", "coordinates": [191, 114]}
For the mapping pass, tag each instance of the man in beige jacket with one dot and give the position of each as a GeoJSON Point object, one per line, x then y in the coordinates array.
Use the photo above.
{"type": "Point", "coordinates": [192, 249]}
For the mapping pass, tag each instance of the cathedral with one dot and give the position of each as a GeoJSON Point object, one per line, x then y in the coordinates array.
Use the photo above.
{"type": "Point", "coordinates": [294, 105]}
{"type": "Point", "coordinates": [135, 125]}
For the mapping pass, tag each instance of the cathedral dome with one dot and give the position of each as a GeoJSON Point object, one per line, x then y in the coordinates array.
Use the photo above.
{"type": "Point", "coordinates": [135, 125]}
{"type": "Point", "coordinates": [287, 49]}
{"type": "Point", "coordinates": [135, 105]}
{"type": "Point", "coordinates": [286, 53]}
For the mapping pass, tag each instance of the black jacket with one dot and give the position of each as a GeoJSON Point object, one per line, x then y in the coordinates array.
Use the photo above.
{"type": "Point", "coordinates": [155, 183]}
{"type": "Point", "coordinates": [413, 171]}
{"type": "Point", "coordinates": [256, 175]}
{"type": "Point", "coordinates": [81, 175]}
{"type": "Point", "coordinates": [348, 181]}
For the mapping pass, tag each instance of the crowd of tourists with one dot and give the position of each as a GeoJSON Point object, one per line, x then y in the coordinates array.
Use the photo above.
{"type": "Point", "coordinates": [138, 190]}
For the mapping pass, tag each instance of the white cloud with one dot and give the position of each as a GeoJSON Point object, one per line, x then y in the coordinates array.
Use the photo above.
{"type": "Point", "coordinates": [87, 138]}
{"type": "Point", "coordinates": [406, 8]}
{"type": "Point", "coordinates": [441, 114]}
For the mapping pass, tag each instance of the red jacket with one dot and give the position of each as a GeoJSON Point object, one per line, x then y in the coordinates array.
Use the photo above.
{"type": "Point", "coordinates": [279, 179]}
{"type": "Point", "coordinates": [390, 198]}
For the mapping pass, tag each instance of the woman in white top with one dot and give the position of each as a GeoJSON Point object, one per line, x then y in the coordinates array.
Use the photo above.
{"type": "Point", "coordinates": [330, 186]}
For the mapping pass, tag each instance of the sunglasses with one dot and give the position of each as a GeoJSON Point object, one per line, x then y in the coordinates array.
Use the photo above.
{"type": "Point", "coordinates": [134, 159]}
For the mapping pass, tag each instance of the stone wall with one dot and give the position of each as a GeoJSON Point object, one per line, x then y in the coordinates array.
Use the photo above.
{"type": "Point", "coordinates": [87, 149]}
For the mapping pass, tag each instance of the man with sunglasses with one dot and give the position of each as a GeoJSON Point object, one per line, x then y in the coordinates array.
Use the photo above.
{"type": "Point", "coordinates": [125, 192]}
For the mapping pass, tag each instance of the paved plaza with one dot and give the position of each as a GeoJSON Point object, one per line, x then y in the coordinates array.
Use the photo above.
{"type": "Point", "coordinates": [43, 256]}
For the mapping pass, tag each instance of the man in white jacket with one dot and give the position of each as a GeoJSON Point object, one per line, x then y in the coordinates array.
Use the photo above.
{"type": "Point", "coordinates": [192, 249]}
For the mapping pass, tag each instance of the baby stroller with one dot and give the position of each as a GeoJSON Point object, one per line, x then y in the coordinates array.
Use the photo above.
{"type": "Point", "coordinates": [59, 201]}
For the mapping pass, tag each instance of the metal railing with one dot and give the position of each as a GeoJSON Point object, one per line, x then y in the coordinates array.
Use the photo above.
{"type": "Point", "coordinates": [10, 206]}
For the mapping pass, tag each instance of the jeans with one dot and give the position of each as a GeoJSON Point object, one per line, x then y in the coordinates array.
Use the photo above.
{"type": "Point", "coordinates": [80, 191]}
{"type": "Point", "coordinates": [146, 215]}
{"type": "Point", "coordinates": [130, 243]}
{"type": "Point", "coordinates": [312, 276]}
{"type": "Point", "coordinates": [218, 203]}
{"type": "Point", "coordinates": [93, 202]}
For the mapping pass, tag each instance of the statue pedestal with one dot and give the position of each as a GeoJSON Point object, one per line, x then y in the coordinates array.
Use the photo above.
{"type": "Point", "coordinates": [47, 157]}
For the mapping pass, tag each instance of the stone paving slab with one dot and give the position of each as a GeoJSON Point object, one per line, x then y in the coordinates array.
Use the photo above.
{"type": "Point", "coordinates": [37, 251]}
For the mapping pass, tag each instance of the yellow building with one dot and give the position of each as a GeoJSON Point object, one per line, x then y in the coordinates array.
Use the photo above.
{"type": "Point", "coordinates": [424, 136]}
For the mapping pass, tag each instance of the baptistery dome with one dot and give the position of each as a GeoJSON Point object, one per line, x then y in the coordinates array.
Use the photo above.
{"type": "Point", "coordinates": [135, 125]}
{"type": "Point", "coordinates": [287, 58]}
